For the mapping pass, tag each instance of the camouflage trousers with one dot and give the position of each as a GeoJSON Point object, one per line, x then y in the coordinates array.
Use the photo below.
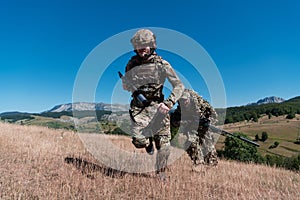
{"type": "Point", "coordinates": [200, 148]}
{"type": "Point", "coordinates": [208, 150]}
{"type": "Point", "coordinates": [141, 117]}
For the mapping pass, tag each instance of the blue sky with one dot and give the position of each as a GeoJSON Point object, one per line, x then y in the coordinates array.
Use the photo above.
{"type": "Point", "coordinates": [254, 44]}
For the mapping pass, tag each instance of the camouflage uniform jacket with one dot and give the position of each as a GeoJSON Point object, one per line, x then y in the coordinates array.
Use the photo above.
{"type": "Point", "coordinates": [149, 75]}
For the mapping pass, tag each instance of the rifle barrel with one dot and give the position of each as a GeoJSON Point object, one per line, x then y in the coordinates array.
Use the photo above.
{"type": "Point", "coordinates": [223, 132]}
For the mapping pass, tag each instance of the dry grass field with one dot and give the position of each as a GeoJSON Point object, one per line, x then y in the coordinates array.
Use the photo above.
{"type": "Point", "coordinates": [40, 163]}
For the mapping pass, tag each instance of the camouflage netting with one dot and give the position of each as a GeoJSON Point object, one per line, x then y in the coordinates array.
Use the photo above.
{"type": "Point", "coordinates": [193, 117]}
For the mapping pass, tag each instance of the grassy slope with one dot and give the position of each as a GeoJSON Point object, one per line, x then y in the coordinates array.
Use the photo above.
{"type": "Point", "coordinates": [39, 163]}
{"type": "Point", "coordinates": [278, 128]}
{"type": "Point", "coordinates": [67, 123]}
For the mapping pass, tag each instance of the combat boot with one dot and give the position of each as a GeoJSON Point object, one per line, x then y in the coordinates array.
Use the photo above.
{"type": "Point", "coordinates": [211, 159]}
{"type": "Point", "coordinates": [150, 149]}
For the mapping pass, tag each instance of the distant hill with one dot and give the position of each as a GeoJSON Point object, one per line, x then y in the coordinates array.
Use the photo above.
{"type": "Point", "coordinates": [253, 112]}
{"type": "Point", "coordinates": [272, 106]}
{"type": "Point", "coordinates": [83, 106]}
{"type": "Point", "coordinates": [82, 109]}
{"type": "Point", "coordinates": [267, 100]}
{"type": "Point", "coordinates": [15, 116]}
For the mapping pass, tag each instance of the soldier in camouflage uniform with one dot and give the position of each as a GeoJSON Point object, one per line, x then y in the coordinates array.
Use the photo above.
{"type": "Point", "coordinates": [193, 115]}
{"type": "Point", "coordinates": [147, 72]}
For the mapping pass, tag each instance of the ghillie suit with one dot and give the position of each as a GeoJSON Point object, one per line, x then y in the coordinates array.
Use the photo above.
{"type": "Point", "coordinates": [193, 116]}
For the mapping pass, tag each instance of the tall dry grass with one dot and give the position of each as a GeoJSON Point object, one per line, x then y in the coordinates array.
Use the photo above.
{"type": "Point", "coordinates": [39, 163]}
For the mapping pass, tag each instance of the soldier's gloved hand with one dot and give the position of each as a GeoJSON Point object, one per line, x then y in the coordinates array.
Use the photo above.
{"type": "Point", "coordinates": [163, 108]}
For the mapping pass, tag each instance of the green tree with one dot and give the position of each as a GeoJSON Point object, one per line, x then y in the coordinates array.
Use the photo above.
{"type": "Point", "coordinates": [294, 163]}
{"type": "Point", "coordinates": [269, 115]}
{"type": "Point", "coordinates": [264, 136]}
{"type": "Point", "coordinates": [228, 120]}
{"type": "Point", "coordinates": [274, 145]}
{"type": "Point", "coordinates": [291, 115]}
{"type": "Point", "coordinates": [253, 116]}
{"type": "Point", "coordinates": [236, 149]}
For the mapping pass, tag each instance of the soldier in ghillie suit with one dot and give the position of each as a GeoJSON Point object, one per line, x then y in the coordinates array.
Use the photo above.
{"type": "Point", "coordinates": [146, 73]}
{"type": "Point", "coordinates": [193, 117]}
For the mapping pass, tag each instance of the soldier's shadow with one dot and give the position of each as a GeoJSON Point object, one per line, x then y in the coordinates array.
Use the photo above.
{"type": "Point", "coordinates": [88, 168]}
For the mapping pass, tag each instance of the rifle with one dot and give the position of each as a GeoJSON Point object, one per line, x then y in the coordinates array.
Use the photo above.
{"type": "Point", "coordinates": [137, 93]}
{"type": "Point", "coordinates": [225, 133]}
{"type": "Point", "coordinates": [156, 124]}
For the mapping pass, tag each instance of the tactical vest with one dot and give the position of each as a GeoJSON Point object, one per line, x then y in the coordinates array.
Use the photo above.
{"type": "Point", "coordinates": [148, 78]}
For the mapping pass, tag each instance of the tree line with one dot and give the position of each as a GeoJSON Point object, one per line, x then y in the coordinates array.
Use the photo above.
{"type": "Point", "coordinates": [17, 116]}
{"type": "Point", "coordinates": [254, 112]}
{"type": "Point", "coordinates": [236, 149]}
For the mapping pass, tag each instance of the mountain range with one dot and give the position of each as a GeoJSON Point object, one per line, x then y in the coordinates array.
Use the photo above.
{"type": "Point", "coordinates": [62, 116]}
{"type": "Point", "coordinates": [267, 100]}
{"type": "Point", "coordinates": [87, 106]}
{"type": "Point", "coordinates": [82, 106]}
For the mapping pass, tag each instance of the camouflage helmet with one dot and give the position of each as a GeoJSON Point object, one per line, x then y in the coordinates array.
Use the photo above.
{"type": "Point", "coordinates": [143, 37]}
